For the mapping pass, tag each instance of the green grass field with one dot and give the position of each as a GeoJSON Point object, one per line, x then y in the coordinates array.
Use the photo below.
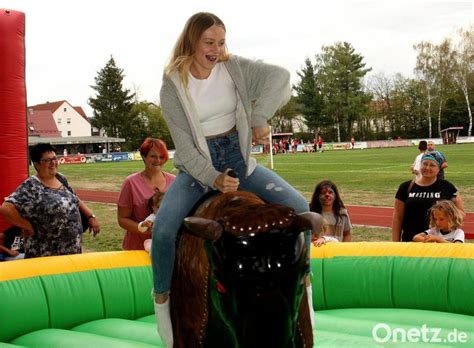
{"type": "Point", "coordinates": [364, 177]}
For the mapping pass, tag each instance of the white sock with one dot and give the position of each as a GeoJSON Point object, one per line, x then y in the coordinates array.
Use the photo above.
{"type": "Point", "coordinates": [163, 322]}
{"type": "Point", "coordinates": [309, 293]}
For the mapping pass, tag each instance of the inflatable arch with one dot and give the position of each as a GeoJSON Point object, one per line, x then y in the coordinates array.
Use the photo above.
{"type": "Point", "coordinates": [14, 135]}
{"type": "Point", "coordinates": [103, 299]}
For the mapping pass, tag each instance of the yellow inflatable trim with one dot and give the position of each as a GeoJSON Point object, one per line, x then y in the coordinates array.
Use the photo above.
{"type": "Point", "coordinates": [72, 263]}
{"type": "Point", "coordinates": [438, 250]}
{"type": "Point", "coordinates": [117, 259]}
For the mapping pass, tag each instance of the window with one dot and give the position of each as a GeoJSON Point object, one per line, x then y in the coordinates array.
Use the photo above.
{"type": "Point", "coordinates": [65, 109]}
{"type": "Point", "coordinates": [59, 121]}
{"type": "Point", "coordinates": [68, 121]}
{"type": "Point", "coordinates": [68, 133]}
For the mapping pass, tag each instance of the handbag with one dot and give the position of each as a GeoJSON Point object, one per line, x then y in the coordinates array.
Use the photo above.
{"type": "Point", "coordinates": [84, 218]}
{"type": "Point", "coordinates": [84, 221]}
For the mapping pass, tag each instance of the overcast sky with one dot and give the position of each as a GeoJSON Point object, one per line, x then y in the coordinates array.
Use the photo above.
{"type": "Point", "coordinates": [68, 42]}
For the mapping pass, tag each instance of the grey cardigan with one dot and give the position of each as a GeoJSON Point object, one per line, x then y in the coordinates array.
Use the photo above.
{"type": "Point", "coordinates": [261, 90]}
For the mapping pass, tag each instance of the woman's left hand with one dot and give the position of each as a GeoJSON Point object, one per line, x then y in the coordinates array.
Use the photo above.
{"type": "Point", "coordinates": [261, 135]}
{"type": "Point", "coordinates": [94, 226]}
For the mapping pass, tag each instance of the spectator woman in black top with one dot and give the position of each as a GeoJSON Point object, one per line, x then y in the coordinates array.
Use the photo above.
{"type": "Point", "coordinates": [414, 198]}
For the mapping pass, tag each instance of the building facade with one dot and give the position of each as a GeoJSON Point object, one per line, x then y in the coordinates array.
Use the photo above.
{"type": "Point", "coordinates": [68, 120]}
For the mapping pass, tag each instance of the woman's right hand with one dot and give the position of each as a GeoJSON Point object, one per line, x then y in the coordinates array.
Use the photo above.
{"type": "Point", "coordinates": [261, 135]}
{"type": "Point", "coordinates": [226, 183]}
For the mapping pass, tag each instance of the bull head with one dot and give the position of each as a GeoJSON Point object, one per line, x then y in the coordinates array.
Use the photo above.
{"type": "Point", "coordinates": [258, 276]}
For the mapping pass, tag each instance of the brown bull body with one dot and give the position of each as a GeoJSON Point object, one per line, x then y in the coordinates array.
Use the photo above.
{"type": "Point", "coordinates": [237, 213]}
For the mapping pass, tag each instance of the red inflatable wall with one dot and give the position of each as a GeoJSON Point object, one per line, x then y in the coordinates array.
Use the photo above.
{"type": "Point", "coordinates": [13, 131]}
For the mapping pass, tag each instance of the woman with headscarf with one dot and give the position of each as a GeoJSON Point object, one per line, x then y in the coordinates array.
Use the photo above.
{"type": "Point", "coordinates": [414, 199]}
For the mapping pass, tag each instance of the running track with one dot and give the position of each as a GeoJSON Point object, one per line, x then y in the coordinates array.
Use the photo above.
{"type": "Point", "coordinates": [360, 215]}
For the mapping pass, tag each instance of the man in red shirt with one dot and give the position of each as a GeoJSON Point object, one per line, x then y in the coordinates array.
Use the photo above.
{"type": "Point", "coordinates": [320, 143]}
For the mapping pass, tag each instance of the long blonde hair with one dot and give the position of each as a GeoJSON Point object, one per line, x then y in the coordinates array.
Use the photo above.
{"type": "Point", "coordinates": [182, 55]}
{"type": "Point", "coordinates": [454, 215]}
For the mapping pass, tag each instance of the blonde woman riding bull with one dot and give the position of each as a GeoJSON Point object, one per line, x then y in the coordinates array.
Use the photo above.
{"type": "Point", "coordinates": [216, 106]}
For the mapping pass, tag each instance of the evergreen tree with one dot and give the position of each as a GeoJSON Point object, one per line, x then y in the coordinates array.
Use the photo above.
{"type": "Point", "coordinates": [112, 104]}
{"type": "Point", "coordinates": [339, 74]}
{"type": "Point", "coordinates": [309, 100]}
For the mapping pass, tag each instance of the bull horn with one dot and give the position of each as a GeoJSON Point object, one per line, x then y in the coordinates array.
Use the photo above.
{"type": "Point", "coordinates": [309, 221]}
{"type": "Point", "coordinates": [203, 228]}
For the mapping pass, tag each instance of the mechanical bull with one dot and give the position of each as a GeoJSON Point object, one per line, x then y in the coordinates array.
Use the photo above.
{"type": "Point", "coordinates": [239, 275]}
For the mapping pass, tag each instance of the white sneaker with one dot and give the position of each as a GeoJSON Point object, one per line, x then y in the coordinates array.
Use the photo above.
{"type": "Point", "coordinates": [163, 322]}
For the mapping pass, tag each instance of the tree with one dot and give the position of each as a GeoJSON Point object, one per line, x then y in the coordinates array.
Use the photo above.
{"type": "Point", "coordinates": [339, 74]}
{"type": "Point", "coordinates": [426, 73]}
{"type": "Point", "coordinates": [398, 108]}
{"type": "Point", "coordinates": [444, 69]}
{"type": "Point", "coordinates": [309, 99]}
{"type": "Point", "coordinates": [150, 117]}
{"type": "Point", "coordinates": [435, 64]}
{"type": "Point", "coordinates": [381, 87]}
{"type": "Point", "coordinates": [282, 121]}
{"type": "Point", "coordinates": [464, 66]}
{"type": "Point", "coordinates": [112, 104]}
{"type": "Point", "coordinates": [408, 107]}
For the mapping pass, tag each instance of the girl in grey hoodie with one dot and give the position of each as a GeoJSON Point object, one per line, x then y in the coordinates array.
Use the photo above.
{"type": "Point", "coordinates": [216, 105]}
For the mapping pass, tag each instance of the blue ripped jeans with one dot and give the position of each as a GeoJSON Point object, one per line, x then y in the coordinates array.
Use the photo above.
{"type": "Point", "coordinates": [185, 191]}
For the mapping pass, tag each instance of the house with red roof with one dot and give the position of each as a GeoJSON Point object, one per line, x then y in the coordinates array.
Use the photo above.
{"type": "Point", "coordinates": [58, 119]}
{"type": "Point", "coordinates": [67, 128]}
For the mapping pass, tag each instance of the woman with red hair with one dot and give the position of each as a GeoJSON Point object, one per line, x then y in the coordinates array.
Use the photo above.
{"type": "Point", "coordinates": [136, 191]}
